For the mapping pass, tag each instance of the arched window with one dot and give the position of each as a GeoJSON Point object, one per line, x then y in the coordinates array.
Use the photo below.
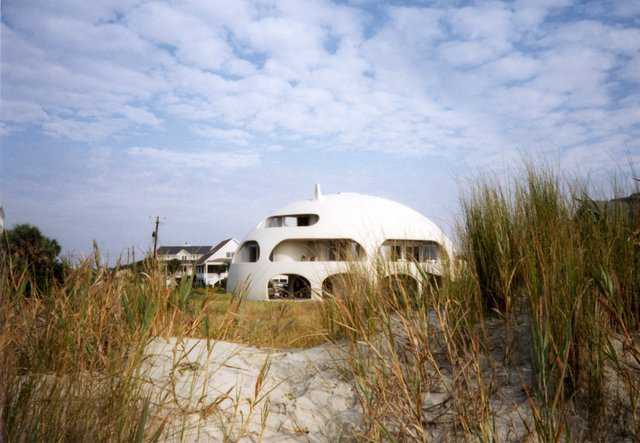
{"type": "Point", "coordinates": [331, 249]}
{"type": "Point", "coordinates": [249, 252]}
{"type": "Point", "coordinates": [293, 220]}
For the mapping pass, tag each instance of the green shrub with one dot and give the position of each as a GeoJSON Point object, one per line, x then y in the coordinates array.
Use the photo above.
{"type": "Point", "coordinates": [33, 257]}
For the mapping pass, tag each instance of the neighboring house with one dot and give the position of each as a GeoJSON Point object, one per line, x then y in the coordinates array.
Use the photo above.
{"type": "Point", "coordinates": [629, 204]}
{"type": "Point", "coordinates": [214, 265]}
{"type": "Point", "coordinates": [188, 256]}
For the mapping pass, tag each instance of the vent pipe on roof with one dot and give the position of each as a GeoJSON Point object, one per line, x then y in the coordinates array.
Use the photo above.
{"type": "Point", "coordinates": [318, 192]}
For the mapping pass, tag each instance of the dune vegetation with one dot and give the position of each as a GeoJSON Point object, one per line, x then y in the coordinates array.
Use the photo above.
{"type": "Point", "coordinates": [532, 332]}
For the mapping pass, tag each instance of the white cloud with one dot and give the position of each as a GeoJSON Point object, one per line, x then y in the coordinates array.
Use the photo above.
{"type": "Point", "coordinates": [239, 67]}
{"type": "Point", "coordinates": [70, 92]}
{"type": "Point", "coordinates": [614, 154]}
{"type": "Point", "coordinates": [4, 129]}
{"type": "Point", "coordinates": [578, 73]}
{"type": "Point", "coordinates": [632, 69]}
{"type": "Point", "coordinates": [594, 34]}
{"type": "Point", "coordinates": [325, 76]}
{"type": "Point", "coordinates": [487, 22]}
{"type": "Point", "coordinates": [514, 67]}
{"type": "Point", "coordinates": [274, 89]}
{"type": "Point", "coordinates": [210, 53]}
{"type": "Point", "coordinates": [82, 130]}
{"type": "Point", "coordinates": [467, 53]}
{"type": "Point", "coordinates": [21, 112]}
{"type": "Point", "coordinates": [625, 8]}
{"type": "Point", "coordinates": [232, 136]}
{"type": "Point", "coordinates": [531, 13]}
{"type": "Point", "coordinates": [140, 116]}
{"type": "Point", "coordinates": [190, 161]}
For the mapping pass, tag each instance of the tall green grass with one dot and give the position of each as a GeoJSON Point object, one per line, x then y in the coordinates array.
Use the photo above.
{"type": "Point", "coordinates": [71, 356]}
{"type": "Point", "coordinates": [547, 278]}
{"type": "Point", "coordinates": [573, 265]}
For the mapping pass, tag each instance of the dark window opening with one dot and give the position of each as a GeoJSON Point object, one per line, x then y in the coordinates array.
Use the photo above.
{"type": "Point", "coordinates": [249, 252]}
{"type": "Point", "coordinates": [216, 269]}
{"type": "Point", "coordinates": [396, 252]}
{"type": "Point", "coordinates": [304, 220]}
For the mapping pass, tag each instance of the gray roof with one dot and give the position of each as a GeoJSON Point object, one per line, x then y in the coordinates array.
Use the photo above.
{"type": "Point", "coordinates": [213, 250]}
{"type": "Point", "coordinates": [172, 250]}
{"type": "Point", "coordinates": [630, 203]}
{"type": "Point", "coordinates": [632, 199]}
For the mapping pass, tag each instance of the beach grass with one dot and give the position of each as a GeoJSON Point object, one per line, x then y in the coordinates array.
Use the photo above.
{"type": "Point", "coordinates": [538, 314]}
{"type": "Point", "coordinates": [531, 331]}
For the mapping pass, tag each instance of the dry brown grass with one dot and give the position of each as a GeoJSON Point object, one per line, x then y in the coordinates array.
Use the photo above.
{"type": "Point", "coordinates": [281, 324]}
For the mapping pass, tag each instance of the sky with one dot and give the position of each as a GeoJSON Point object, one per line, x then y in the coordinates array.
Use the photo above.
{"type": "Point", "coordinates": [212, 114]}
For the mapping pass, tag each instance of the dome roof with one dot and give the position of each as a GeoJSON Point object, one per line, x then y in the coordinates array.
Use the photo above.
{"type": "Point", "coordinates": [364, 218]}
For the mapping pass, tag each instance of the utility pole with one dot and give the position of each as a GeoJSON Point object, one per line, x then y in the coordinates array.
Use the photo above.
{"type": "Point", "coordinates": [155, 238]}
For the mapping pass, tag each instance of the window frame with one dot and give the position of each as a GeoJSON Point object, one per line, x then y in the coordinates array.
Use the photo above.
{"type": "Point", "coordinates": [281, 220]}
{"type": "Point", "coordinates": [410, 250]}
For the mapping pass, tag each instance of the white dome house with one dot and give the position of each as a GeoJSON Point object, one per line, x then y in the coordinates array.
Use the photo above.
{"type": "Point", "coordinates": [295, 252]}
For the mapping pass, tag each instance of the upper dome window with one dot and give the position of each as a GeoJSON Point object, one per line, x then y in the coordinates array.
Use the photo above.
{"type": "Point", "coordinates": [287, 221]}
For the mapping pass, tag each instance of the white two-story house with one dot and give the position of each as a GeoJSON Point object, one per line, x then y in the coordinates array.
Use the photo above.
{"type": "Point", "coordinates": [186, 255]}
{"type": "Point", "coordinates": [213, 266]}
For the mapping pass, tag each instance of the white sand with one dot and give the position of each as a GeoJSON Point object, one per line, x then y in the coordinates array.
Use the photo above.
{"type": "Point", "coordinates": [210, 392]}
{"type": "Point", "coordinates": [211, 388]}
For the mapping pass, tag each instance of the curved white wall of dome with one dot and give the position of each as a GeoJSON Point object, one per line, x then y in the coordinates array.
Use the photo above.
{"type": "Point", "coordinates": [314, 239]}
